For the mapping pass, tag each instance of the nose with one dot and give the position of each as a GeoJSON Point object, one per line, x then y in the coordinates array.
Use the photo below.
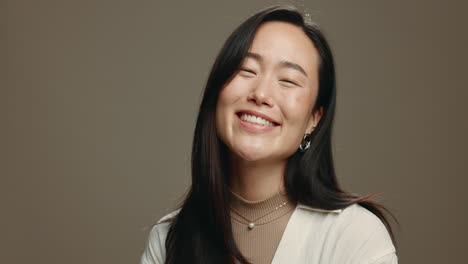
{"type": "Point", "coordinates": [261, 92]}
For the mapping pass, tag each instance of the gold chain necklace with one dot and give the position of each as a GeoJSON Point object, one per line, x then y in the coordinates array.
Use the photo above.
{"type": "Point", "coordinates": [251, 223]}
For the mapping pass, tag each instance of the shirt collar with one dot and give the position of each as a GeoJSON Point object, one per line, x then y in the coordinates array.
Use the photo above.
{"type": "Point", "coordinates": [306, 207]}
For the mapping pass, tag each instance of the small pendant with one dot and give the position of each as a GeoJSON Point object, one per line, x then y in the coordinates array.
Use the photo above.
{"type": "Point", "coordinates": [251, 225]}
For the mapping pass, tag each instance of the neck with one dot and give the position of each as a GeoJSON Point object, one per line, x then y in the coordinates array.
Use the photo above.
{"type": "Point", "coordinates": [254, 181]}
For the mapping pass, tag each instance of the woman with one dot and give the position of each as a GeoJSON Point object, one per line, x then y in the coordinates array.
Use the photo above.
{"type": "Point", "coordinates": [264, 188]}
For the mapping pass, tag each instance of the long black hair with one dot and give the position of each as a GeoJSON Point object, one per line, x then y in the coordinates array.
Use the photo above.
{"type": "Point", "coordinates": [201, 231]}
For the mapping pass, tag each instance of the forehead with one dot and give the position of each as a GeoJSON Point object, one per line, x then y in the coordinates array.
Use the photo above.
{"type": "Point", "coordinates": [276, 41]}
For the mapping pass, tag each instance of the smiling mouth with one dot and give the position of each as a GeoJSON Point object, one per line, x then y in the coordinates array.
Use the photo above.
{"type": "Point", "coordinates": [251, 118]}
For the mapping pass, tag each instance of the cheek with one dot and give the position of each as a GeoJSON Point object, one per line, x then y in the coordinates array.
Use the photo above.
{"type": "Point", "coordinates": [297, 107]}
{"type": "Point", "coordinates": [228, 96]}
{"type": "Point", "coordinates": [221, 114]}
{"type": "Point", "coordinates": [230, 92]}
{"type": "Point", "coordinates": [296, 110]}
{"type": "Point", "coordinates": [225, 101]}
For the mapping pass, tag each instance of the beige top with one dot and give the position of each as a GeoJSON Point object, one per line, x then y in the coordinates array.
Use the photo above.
{"type": "Point", "coordinates": [259, 244]}
{"type": "Point", "coordinates": [352, 235]}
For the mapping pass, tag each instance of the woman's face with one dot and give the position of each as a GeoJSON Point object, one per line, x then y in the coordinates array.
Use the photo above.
{"type": "Point", "coordinates": [264, 111]}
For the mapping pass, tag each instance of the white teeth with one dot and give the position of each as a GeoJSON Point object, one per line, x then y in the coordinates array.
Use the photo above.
{"type": "Point", "coordinates": [256, 120]}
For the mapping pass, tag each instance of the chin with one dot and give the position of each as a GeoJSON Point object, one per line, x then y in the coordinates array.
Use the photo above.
{"type": "Point", "coordinates": [252, 154]}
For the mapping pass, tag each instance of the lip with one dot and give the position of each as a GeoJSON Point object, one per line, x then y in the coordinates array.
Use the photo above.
{"type": "Point", "coordinates": [255, 113]}
{"type": "Point", "coordinates": [254, 128]}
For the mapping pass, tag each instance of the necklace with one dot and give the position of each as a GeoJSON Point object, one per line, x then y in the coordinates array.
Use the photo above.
{"type": "Point", "coordinates": [251, 223]}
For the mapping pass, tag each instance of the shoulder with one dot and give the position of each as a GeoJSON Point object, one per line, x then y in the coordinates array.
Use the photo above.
{"type": "Point", "coordinates": [358, 217]}
{"type": "Point", "coordinates": [354, 214]}
{"type": "Point", "coordinates": [360, 231]}
{"type": "Point", "coordinates": [155, 251]}
{"type": "Point", "coordinates": [360, 220]}
{"type": "Point", "coordinates": [168, 216]}
{"type": "Point", "coordinates": [160, 229]}
{"type": "Point", "coordinates": [353, 218]}
{"type": "Point", "coordinates": [352, 233]}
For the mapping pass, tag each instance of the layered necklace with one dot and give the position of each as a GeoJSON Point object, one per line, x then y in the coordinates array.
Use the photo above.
{"type": "Point", "coordinates": [251, 223]}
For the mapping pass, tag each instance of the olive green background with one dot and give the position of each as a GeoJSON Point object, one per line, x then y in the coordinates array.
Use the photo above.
{"type": "Point", "coordinates": [99, 99]}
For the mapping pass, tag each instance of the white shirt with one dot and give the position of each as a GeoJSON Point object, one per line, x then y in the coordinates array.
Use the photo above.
{"type": "Point", "coordinates": [352, 235]}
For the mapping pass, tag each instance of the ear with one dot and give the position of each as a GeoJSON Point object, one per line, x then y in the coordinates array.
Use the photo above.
{"type": "Point", "coordinates": [314, 119]}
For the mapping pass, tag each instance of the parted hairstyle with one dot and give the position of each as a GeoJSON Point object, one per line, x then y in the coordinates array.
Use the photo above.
{"type": "Point", "coordinates": [201, 231]}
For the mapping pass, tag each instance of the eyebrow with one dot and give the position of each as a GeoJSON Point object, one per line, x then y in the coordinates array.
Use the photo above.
{"type": "Point", "coordinates": [283, 63]}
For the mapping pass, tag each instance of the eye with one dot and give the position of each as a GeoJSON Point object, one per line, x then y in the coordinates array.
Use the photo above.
{"type": "Point", "coordinates": [247, 70]}
{"type": "Point", "coordinates": [290, 82]}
